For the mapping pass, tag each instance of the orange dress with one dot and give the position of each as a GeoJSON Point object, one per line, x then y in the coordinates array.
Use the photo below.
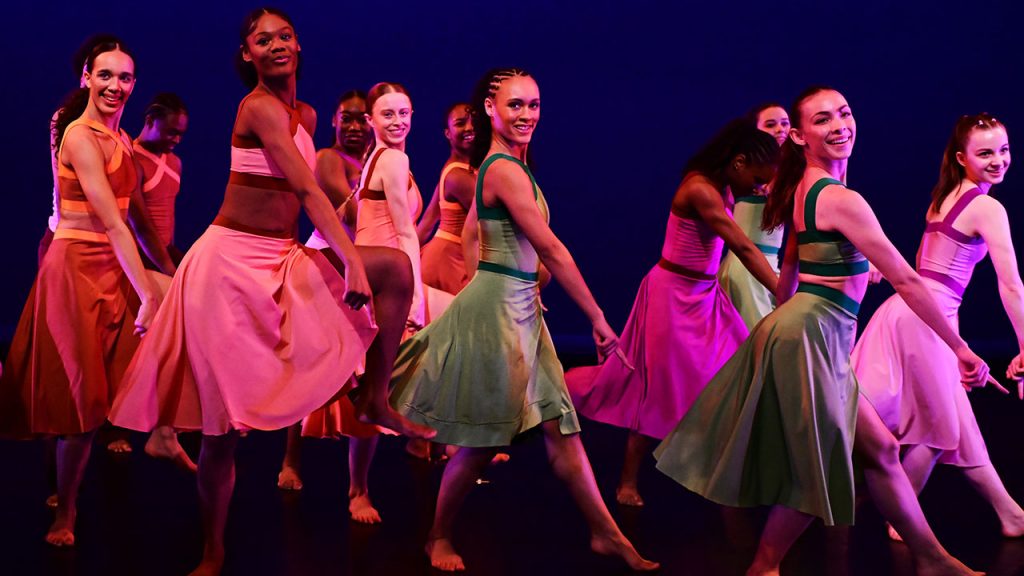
{"type": "Point", "coordinates": [444, 266]}
{"type": "Point", "coordinates": [75, 336]}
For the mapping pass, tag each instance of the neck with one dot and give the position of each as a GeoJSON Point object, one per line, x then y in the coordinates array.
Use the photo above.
{"type": "Point", "coordinates": [400, 146]}
{"type": "Point", "coordinates": [458, 156]}
{"type": "Point", "coordinates": [968, 184]}
{"type": "Point", "coordinates": [150, 146]}
{"type": "Point", "coordinates": [112, 121]}
{"type": "Point", "coordinates": [283, 88]}
{"type": "Point", "coordinates": [503, 146]}
{"type": "Point", "coordinates": [353, 154]}
{"type": "Point", "coordinates": [835, 168]}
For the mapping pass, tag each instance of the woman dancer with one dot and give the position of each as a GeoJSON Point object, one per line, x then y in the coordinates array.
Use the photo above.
{"type": "Point", "coordinates": [682, 327]}
{"type": "Point", "coordinates": [75, 336]}
{"type": "Point", "coordinates": [486, 370]}
{"type": "Point", "coordinates": [297, 333]}
{"type": "Point", "coordinates": [775, 425]}
{"type": "Point", "coordinates": [904, 370]}
{"type": "Point", "coordinates": [444, 267]}
{"type": "Point", "coordinates": [752, 300]}
{"type": "Point", "coordinates": [337, 172]}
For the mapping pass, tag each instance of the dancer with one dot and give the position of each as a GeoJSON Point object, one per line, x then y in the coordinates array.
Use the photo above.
{"type": "Point", "coordinates": [904, 370]}
{"type": "Point", "coordinates": [486, 370]}
{"type": "Point", "coordinates": [772, 118]}
{"type": "Point", "coordinates": [297, 328]}
{"type": "Point", "coordinates": [444, 266]}
{"type": "Point", "coordinates": [337, 172]}
{"type": "Point", "coordinates": [75, 336]}
{"type": "Point", "coordinates": [682, 327]}
{"type": "Point", "coordinates": [166, 121]}
{"type": "Point", "coordinates": [775, 425]}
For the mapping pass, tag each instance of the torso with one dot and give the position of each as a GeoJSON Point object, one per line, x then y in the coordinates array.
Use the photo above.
{"type": "Point", "coordinates": [161, 181]}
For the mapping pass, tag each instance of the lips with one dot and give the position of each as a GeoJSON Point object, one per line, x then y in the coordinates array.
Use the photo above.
{"type": "Point", "coordinates": [839, 141]}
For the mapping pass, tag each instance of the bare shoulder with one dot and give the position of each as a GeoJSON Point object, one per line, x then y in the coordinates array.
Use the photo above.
{"type": "Point", "coordinates": [392, 158]}
{"type": "Point", "coordinates": [260, 109]}
{"type": "Point", "coordinates": [307, 115]}
{"type": "Point", "coordinates": [505, 172]}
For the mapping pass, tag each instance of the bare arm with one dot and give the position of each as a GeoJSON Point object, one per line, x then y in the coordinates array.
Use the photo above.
{"type": "Point", "coordinates": [393, 167]}
{"type": "Point", "coordinates": [269, 122]}
{"type": "Point", "coordinates": [471, 241]}
{"type": "Point", "coordinates": [994, 227]}
{"type": "Point", "coordinates": [145, 231]}
{"type": "Point", "coordinates": [707, 202]}
{"type": "Point", "coordinates": [330, 175]}
{"type": "Point", "coordinates": [430, 218]}
{"type": "Point", "coordinates": [789, 275]}
{"type": "Point", "coordinates": [83, 153]}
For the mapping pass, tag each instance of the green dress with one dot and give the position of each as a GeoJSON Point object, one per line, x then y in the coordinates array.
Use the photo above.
{"type": "Point", "coordinates": [752, 300]}
{"type": "Point", "coordinates": [486, 371]}
{"type": "Point", "coordinates": [776, 424]}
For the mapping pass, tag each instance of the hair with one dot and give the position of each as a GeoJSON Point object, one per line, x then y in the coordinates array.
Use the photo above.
{"type": "Point", "coordinates": [486, 88]}
{"type": "Point", "coordinates": [348, 96]}
{"type": "Point", "coordinates": [381, 88]}
{"type": "Point", "coordinates": [246, 70]}
{"type": "Point", "coordinates": [754, 113]}
{"type": "Point", "coordinates": [736, 138]}
{"type": "Point", "coordinates": [163, 105]}
{"type": "Point", "coordinates": [78, 59]}
{"type": "Point", "coordinates": [779, 208]}
{"type": "Point", "coordinates": [448, 111]}
{"type": "Point", "coordinates": [951, 172]}
{"type": "Point", "coordinates": [75, 103]}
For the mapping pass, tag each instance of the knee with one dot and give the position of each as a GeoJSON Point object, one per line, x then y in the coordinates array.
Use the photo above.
{"type": "Point", "coordinates": [883, 451]}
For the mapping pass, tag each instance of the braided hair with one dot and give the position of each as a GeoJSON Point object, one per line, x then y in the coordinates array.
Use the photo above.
{"type": "Point", "coordinates": [486, 88]}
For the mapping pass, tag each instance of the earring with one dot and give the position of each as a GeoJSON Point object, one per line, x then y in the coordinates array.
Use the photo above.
{"type": "Point", "coordinates": [736, 166]}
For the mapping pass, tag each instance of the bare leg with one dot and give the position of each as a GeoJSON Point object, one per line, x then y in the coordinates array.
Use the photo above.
{"type": "Point", "coordinates": [360, 455]}
{"type": "Point", "coordinates": [163, 443]}
{"type": "Point", "coordinates": [390, 277]}
{"type": "Point", "coordinates": [636, 448]}
{"type": "Point", "coordinates": [986, 481]}
{"type": "Point", "coordinates": [784, 527]}
{"type": "Point", "coordinates": [895, 497]}
{"type": "Point", "coordinates": [216, 481]}
{"type": "Point", "coordinates": [288, 478]}
{"type": "Point", "coordinates": [569, 462]}
{"type": "Point", "coordinates": [72, 457]}
{"type": "Point", "coordinates": [918, 462]}
{"type": "Point", "coordinates": [418, 448]}
{"type": "Point", "coordinates": [459, 477]}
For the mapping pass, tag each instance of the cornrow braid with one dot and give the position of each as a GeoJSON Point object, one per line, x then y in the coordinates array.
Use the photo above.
{"type": "Point", "coordinates": [486, 88]}
{"type": "Point", "coordinates": [163, 105]}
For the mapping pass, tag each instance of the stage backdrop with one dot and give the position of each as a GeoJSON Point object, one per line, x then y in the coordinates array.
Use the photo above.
{"type": "Point", "coordinates": [629, 89]}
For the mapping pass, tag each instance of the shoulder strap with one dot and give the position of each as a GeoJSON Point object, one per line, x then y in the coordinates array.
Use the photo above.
{"type": "Point", "coordinates": [811, 202]}
{"type": "Point", "coordinates": [481, 209]}
{"type": "Point", "coordinates": [119, 145]}
{"type": "Point", "coordinates": [369, 168]}
{"type": "Point", "coordinates": [961, 203]}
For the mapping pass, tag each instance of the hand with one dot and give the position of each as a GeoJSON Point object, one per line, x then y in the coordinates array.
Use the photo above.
{"type": "Point", "coordinates": [358, 291]}
{"type": "Point", "coordinates": [1015, 371]}
{"type": "Point", "coordinates": [874, 276]}
{"type": "Point", "coordinates": [608, 343]}
{"type": "Point", "coordinates": [974, 372]}
{"type": "Point", "coordinates": [145, 316]}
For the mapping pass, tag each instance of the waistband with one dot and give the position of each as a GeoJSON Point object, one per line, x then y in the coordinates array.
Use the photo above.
{"type": "Point", "coordinates": [832, 295]}
{"type": "Point", "coordinates": [684, 271]}
{"type": "Point", "coordinates": [446, 235]}
{"type": "Point", "coordinates": [226, 222]}
{"type": "Point", "coordinates": [944, 279]}
{"type": "Point", "coordinates": [507, 271]}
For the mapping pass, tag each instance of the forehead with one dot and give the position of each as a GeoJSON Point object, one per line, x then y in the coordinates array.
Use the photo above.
{"type": "Point", "coordinates": [773, 112]}
{"type": "Point", "coordinates": [987, 138]}
{"type": "Point", "coordinates": [522, 87]}
{"type": "Point", "coordinates": [459, 112]}
{"type": "Point", "coordinates": [354, 104]}
{"type": "Point", "coordinates": [176, 120]}
{"type": "Point", "coordinates": [268, 24]}
{"type": "Point", "coordinates": [824, 101]}
{"type": "Point", "coordinates": [115, 61]}
{"type": "Point", "coordinates": [392, 101]}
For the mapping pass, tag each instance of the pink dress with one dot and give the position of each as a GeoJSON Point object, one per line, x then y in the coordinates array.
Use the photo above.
{"type": "Point", "coordinates": [682, 329]}
{"type": "Point", "coordinates": [253, 333]}
{"type": "Point", "coordinates": [907, 373]}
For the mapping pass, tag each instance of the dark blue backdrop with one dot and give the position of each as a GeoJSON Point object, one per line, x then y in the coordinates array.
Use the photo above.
{"type": "Point", "coordinates": [629, 90]}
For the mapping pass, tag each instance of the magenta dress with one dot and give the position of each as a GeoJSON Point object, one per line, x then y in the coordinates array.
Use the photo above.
{"type": "Point", "coordinates": [682, 329]}
{"type": "Point", "coordinates": [908, 374]}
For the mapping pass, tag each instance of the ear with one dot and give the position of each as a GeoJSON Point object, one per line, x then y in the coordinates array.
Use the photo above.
{"type": "Point", "coordinates": [489, 107]}
{"type": "Point", "coordinates": [739, 162]}
{"type": "Point", "coordinates": [86, 79]}
{"type": "Point", "coordinates": [797, 137]}
{"type": "Point", "coordinates": [369, 119]}
{"type": "Point", "coordinates": [961, 159]}
{"type": "Point", "coordinates": [246, 56]}
{"type": "Point", "coordinates": [447, 134]}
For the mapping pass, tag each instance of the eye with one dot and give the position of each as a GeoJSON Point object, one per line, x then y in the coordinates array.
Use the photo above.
{"type": "Point", "coordinates": [104, 75]}
{"type": "Point", "coordinates": [534, 105]}
{"type": "Point", "coordinates": [820, 120]}
{"type": "Point", "coordinates": [845, 114]}
{"type": "Point", "coordinates": [286, 36]}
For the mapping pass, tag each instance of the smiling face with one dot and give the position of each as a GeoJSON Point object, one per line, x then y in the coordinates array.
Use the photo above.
{"type": "Point", "coordinates": [111, 81]}
{"type": "Point", "coordinates": [986, 157]}
{"type": "Point", "coordinates": [272, 47]}
{"type": "Point", "coordinates": [459, 132]}
{"type": "Point", "coordinates": [165, 133]}
{"type": "Point", "coordinates": [351, 128]}
{"type": "Point", "coordinates": [775, 121]}
{"type": "Point", "coordinates": [827, 129]}
{"type": "Point", "coordinates": [391, 118]}
{"type": "Point", "coordinates": [515, 109]}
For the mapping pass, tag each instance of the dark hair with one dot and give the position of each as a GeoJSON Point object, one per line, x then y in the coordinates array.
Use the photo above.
{"type": "Point", "coordinates": [75, 103]}
{"type": "Point", "coordinates": [78, 59]}
{"type": "Point", "coordinates": [448, 112]}
{"type": "Point", "coordinates": [486, 88]}
{"type": "Point", "coordinates": [381, 88]}
{"type": "Point", "coordinates": [736, 138]}
{"type": "Point", "coordinates": [246, 70]}
{"type": "Point", "coordinates": [779, 208]}
{"type": "Point", "coordinates": [951, 172]}
{"type": "Point", "coordinates": [163, 105]}
{"type": "Point", "coordinates": [348, 96]}
{"type": "Point", "coordinates": [754, 113]}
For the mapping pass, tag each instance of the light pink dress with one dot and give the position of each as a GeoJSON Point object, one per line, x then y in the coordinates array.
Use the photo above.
{"type": "Point", "coordinates": [682, 329]}
{"type": "Point", "coordinates": [907, 373]}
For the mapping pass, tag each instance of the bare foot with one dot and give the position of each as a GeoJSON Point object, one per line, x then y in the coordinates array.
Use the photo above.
{"type": "Point", "coordinates": [628, 496]}
{"type": "Point", "coordinates": [418, 448]}
{"type": "Point", "coordinates": [944, 565]}
{"type": "Point", "coordinates": [208, 568]}
{"type": "Point", "coordinates": [443, 556]}
{"type": "Point", "coordinates": [51, 502]}
{"type": "Point", "coordinates": [1013, 527]}
{"type": "Point", "coordinates": [893, 534]}
{"type": "Point", "coordinates": [500, 458]}
{"type": "Point", "coordinates": [288, 479]}
{"type": "Point", "coordinates": [388, 418]}
{"type": "Point", "coordinates": [163, 443]}
{"type": "Point", "coordinates": [120, 446]}
{"type": "Point", "coordinates": [618, 545]}
{"type": "Point", "coordinates": [362, 510]}
{"type": "Point", "coordinates": [61, 533]}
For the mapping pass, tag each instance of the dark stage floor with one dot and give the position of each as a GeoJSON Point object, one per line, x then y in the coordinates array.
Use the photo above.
{"type": "Point", "coordinates": [140, 517]}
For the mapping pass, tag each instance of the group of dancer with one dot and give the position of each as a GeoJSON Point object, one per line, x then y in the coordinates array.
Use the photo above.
{"type": "Point", "coordinates": [746, 373]}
